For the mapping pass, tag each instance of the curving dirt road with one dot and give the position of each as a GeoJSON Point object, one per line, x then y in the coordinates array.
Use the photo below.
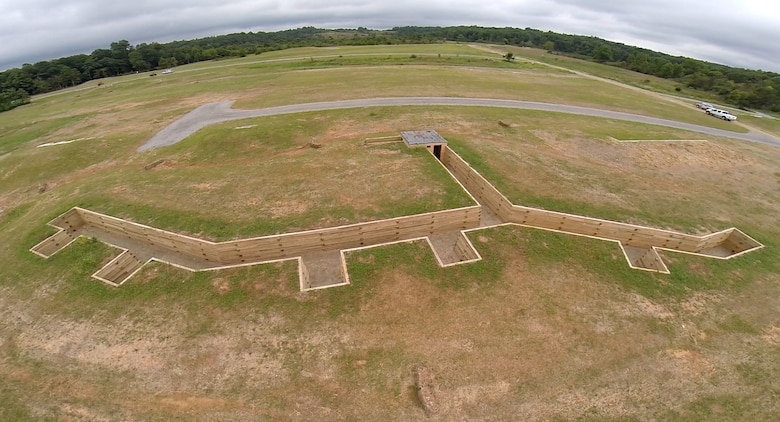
{"type": "Point", "coordinates": [212, 113]}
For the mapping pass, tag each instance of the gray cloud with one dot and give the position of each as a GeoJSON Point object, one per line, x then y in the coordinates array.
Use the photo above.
{"type": "Point", "coordinates": [740, 34]}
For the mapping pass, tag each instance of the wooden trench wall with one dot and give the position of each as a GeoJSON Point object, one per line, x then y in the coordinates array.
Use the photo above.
{"type": "Point", "coordinates": [246, 251]}
{"type": "Point", "coordinates": [724, 244]}
{"type": "Point", "coordinates": [69, 223]}
{"type": "Point", "coordinates": [639, 244]}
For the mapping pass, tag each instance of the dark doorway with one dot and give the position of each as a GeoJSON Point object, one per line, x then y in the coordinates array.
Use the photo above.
{"type": "Point", "coordinates": [437, 152]}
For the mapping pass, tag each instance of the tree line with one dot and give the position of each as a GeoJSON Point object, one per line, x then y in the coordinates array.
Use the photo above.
{"type": "Point", "coordinates": [745, 88]}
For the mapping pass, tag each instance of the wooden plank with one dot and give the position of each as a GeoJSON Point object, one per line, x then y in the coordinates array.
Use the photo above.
{"type": "Point", "coordinates": [464, 250]}
{"type": "Point", "coordinates": [53, 243]}
{"type": "Point", "coordinates": [563, 222]}
{"type": "Point", "coordinates": [120, 268]}
{"type": "Point", "coordinates": [352, 236]}
{"type": "Point", "coordinates": [714, 240]}
{"type": "Point", "coordinates": [645, 258]}
{"type": "Point", "coordinates": [635, 235]}
{"type": "Point", "coordinates": [70, 220]}
{"type": "Point", "coordinates": [252, 248]}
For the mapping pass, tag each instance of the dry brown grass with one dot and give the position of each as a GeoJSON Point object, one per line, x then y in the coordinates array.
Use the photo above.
{"type": "Point", "coordinates": [541, 343]}
{"type": "Point", "coordinates": [644, 182]}
{"type": "Point", "coordinates": [546, 327]}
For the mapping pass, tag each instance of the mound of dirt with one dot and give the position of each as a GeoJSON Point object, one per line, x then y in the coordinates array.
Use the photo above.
{"type": "Point", "coordinates": [160, 164]}
{"type": "Point", "coordinates": [426, 390]}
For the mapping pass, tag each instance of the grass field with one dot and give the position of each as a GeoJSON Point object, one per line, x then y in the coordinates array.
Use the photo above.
{"type": "Point", "coordinates": [636, 79]}
{"type": "Point", "coordinates": [609, 72]}
{"type": "Point", "coordinates": [545, 327]}
{"type": "Point", "coordinates": [766, 124]}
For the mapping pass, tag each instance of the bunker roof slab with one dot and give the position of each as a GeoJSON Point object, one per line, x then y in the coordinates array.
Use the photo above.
{"type": "Point", "coordinates": [416, 138]}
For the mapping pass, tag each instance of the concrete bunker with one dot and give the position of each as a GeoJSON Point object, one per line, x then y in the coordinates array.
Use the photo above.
{"type": "Point", "coordinates": [429, 139]}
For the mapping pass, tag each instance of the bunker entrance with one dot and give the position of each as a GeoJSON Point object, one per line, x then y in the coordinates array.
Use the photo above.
{"type": "Point", "coordinates": [429, 139]}
{"type": "Point", "coordinates": [437, 152]}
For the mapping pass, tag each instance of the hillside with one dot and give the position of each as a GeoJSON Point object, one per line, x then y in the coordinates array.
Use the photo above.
{"type": "Point", "coordinates": [546, 326]}
{"type": "Point", "coordinates": [743, 88]}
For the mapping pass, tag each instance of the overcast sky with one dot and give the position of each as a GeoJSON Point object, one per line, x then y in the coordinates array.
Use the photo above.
{"type": "Point", "coordinates": [744, 33]}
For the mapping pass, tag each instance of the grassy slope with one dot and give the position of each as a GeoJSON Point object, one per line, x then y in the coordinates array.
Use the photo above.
{"type": "Point", "coordinates": [640, 80]}
{"type": "Point", "coordinates": [539, 327]}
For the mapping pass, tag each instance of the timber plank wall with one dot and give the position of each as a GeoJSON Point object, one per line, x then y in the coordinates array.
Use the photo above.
{"type": "Point", "coordinates": [245, 251]}
{"type": "Point", "coordinates": [639, 244]}
{"type": "Point", "coordinates": [724, 244]}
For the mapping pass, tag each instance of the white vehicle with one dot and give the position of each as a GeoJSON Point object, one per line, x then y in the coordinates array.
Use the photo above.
{"type": "Point", "coordinates": [704, 106]}
{"type": "Point", "coordinates": [721, 114]}
{"type": "Point", "coordinates": [166, 71]}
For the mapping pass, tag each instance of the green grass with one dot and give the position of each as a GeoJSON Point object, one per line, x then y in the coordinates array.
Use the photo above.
{"type": "Point", "coordinates": [268, 85]}
{"type": "Point", "coordinates": [204, 152]}
{"type": "Point", "coordinates": [527, 186]}
{"type": "Point", "coordinates": [209, 226]}
{"type": "Point", "coordinates": [13, 406]}
{"type": "Point", "coordinates": [272, 78]}
{"type": "Point", "coordinates": [261, 157]}
{"type": "Point", "coordinates": [8, 216]}
{"type": "Point", "coordinates": [263, 288]}
{"type": "Point", "coordinates": [380, 369]}
{"type": "Point", "coordinates": [755, 372]}
{"type": "Point", "coordinates": [390, 60]}
{"type": "Point", "coordinates": [416, 260]}
{"type": "Point", "coordinates": [160, 287]}
{"type": "Point", "coordinates": [543, 250]}
{"type": "Point", "coordinates": [725, 407]}
{"type": "Point", "coordinates": [448, 49]}
{"type": "Point", "coordinates": [629, 77]}
{"type": "Point", "coordinates": [267, 63]}
{"type": "Point", "coordinates": [209, 162]}
{"type": "Point", "coordinates": [735, 324]}
{"type": "Point", "coordinates": [607, 129]}
{"type": "Point", "coordinates": [517, 195]}
{"type": "Point", "coordinates": [767, 124]}
{"type": "Point", "coordinates": [643, 81]}
{"type": "Point", "coordinates": [14, 133]}
{"type": "Point", "coordinates": [509, 304]}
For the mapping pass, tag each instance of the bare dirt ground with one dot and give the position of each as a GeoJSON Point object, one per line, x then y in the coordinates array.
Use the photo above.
{"type": "Point", "coordinates": [538, 342]}
{"type": "Point", "coordinates": [540, 345]}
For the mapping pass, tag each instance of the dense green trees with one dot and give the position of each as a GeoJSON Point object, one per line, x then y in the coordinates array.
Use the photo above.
{"type": "Point", "coordinates": [13, 98]}
{"type": "Point", "coordinates": [603, 54]}
{"type": "Point", "coordinates": [741, 87]}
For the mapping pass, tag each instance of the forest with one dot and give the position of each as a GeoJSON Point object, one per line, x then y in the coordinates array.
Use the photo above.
{"type": "Point", "coordinates": [745, 88]}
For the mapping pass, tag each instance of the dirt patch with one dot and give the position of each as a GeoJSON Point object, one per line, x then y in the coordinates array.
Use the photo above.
{"type": "Point", "coordinates": [772, 335]}
{"type": "Point", "coordinates": [688, 363]}
{"type": "Point", "coordinates": [637, 304]}
{"type": "Point", "coordinates": [85, 172]}
{"type": "Point", "coordinates": [221, 285]}
{"type": "Point", "coordinates": [628, 156]}
{"type": "Point", "coordinates": [426, 389]}
{"type": "Point", "coordinates": [481, 395]}
{"type": "Point", "coordinates": [700, 303]}
{"type": "Point", "coordinates": [287, 208]}
{"type": "Point", "coordinates": [194, 404]}
{"type": "Point", "coordinates": [539, 342]}
{"type": "Point", "coordinates": [161, 164]}
{"type": "Point", "coordinates": [544, 344]}
{"type": "Point", "coordinates": [82, 413]}
{"type": "Point", "coordinates": [683, 156]}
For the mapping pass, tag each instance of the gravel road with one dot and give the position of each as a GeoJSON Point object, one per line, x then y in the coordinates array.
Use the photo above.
{"type": "Point", "coordinates": [212, 113]}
